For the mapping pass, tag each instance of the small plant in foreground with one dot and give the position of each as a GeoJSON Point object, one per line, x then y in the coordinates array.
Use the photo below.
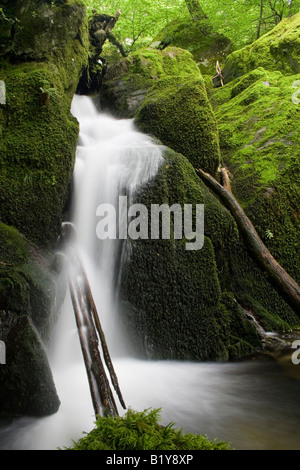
{"type": "Point", "coordinates": [142, 431]}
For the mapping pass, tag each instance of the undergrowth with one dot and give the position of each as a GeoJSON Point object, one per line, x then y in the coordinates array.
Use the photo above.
{"type": "Point", "coordinates": [142, 431]}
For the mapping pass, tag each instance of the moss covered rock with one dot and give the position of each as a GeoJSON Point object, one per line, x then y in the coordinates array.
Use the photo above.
{"type": "Point", "coordinates": [44, 50]}
{"type": "Point", "coordinates": [165, 92]}
{"type": "Point", "coordinates": [205, 45]}
{"type": "Point", "coordinates": [38, 134]}
{"type": "Point", "coordinates": [128, 81]}
{"type": "Point", "coordinates": [177, 111]}
{"type": "Point", "coordinates": [180, 304]}
{"type": "Point", "coordinates": [28, 306]}
{"type": "Point", "coordinates": [259, 139]}
{"type": "Point", "coordinates": [279, 49]}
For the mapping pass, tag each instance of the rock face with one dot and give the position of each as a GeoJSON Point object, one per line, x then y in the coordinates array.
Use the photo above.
{"type": "Point", "coordinates": [44, 47]}
{"type": "Point", "coordinates": [40, 69]}
{"type": "Point", "coordinates": [279, 49]}
{"type": "Point", "coordinates": [165, 92]}
{"type": "Point", "coordinates": [264, 162]}
{"type": "Point", "coordinates": [181, 308]}
{"type": "Point", "coordinates": [128, 81]}
{"type": "Point", "coordinates": [176, 110]}
{"type": "Point", "coordinates": [258, 114]}
{"type": "Point", "coordinates": [28, 305]}
{"type": "Point", "coordinates": [206, 46]}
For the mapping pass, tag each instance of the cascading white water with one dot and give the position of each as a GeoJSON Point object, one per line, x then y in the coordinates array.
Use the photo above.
{"type": "Point", "coordinates": [113, 159]}
{"type": "Point", "coordinates": [252, 404]}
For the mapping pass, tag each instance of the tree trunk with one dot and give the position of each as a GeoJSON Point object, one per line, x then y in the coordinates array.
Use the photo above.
{"type": "Point", "coordinates": [260, 19]}
{"type": "Point", "coordinates": [281, 280]}
{"type": "Point", "coordinates": [195, 10]}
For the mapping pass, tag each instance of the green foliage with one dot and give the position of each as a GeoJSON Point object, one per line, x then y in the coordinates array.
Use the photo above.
{"type": "Point", "coordinates": [141, 20]}
{"type": "Point", "coordinates": [142, 431]}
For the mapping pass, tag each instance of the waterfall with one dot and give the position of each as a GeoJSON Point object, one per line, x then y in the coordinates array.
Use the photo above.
{"type": "Point", "coordinates": [113, 161]}
{"type": "Point", "coordinates": [237, 402]}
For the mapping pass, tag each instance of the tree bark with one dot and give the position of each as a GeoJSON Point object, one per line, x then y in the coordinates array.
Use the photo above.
{"type": "Point", "coordinates": [282, 281]}
{"type": "Point", "coordinates": [106, 355]}
{"type": "Point", "coordinates": [196, 11]}
{"type": "Point", "coordinates": [84, 349]}
{"type": "Point", "coordinates": [260, 19]}
{"type": "Point", "coordinates": [88, 324]}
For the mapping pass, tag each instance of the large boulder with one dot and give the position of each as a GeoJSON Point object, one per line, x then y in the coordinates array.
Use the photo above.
{"type": "Point", "coordinates": [258, 117]}
{"type": "Point", "coordinates": [44, 47]}
{"type": "Point", "coordinates": [177, 111]}
{"type": "Point", "coordinates": [40, 71]}
{"type": "Point", "coordinates": [193, 304]}
{"type": "Point", "coordinates": [206, 46]}
{"type": "Point", "coordinates": [127, 82]}
{"type": "Point", "coordinates": [29, 302]}
{"type": "Point", "coordinates": [165, 92]}
{"type": "Point", "coordinates": [279, 49]}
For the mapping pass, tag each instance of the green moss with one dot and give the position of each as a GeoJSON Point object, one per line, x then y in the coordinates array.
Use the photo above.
{"type": "Point", "coordinates": [13, 248]}
{"type": "Point", "coordinates": [279, 49]}
{"type": "Point", "coordinates": [172, 299]}
{"type": "Point", "coordinates": [38, 134]}
{"type": "Point", "coordinates": [177, 112]}
{"type": "Point", "coordinates": [198, 38]}
{"type": "Point", "coordinates": [127, 82]}
{"type": "Point", "coordinates": [26, 383]}
{"type": "Point", "coordinates": [259, 140]}
{"type": "Point", "coordinates": [37, 151]}
{"type": "Point", "coordinates": [142, 431]}
{"type": "Point", "coordinates": [244, 338]}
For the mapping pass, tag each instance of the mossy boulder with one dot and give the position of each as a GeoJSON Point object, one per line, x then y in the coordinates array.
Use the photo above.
{"type": "Point", "coordinates": [28, 306]}
{"type": "Point", "coordinates": [38, 133]}
{"type": "Point", "coordinates": [127, 82]}
{"type": "Point", "coordinates": [258, 117]}
{"type": "Point", "coordinates": [196, 305]}
{"type": "Point", "coordinates": [279, 49]}
{"type": "Point", "coordinates": [40, 30]}
{"type": "Point", "coordinates": [193, 305]}
{"type": "Point", "coordinates": [177, 111]}
{"type": "Point", "coordinates": [43, 54]}
{"type": "Point", "coordinates": [206, 46]}
{"type": "Point", "coordinates": [165, 92]}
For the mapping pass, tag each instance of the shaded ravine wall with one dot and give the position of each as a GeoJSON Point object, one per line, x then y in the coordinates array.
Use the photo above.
{"type": "Point", "coordinates": [44, 47]}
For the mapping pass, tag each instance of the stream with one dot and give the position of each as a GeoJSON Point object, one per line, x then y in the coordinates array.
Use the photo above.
{"type": "Point", "coordinates": [254, 404]}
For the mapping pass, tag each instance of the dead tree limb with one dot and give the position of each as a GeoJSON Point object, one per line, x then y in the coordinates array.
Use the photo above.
{"type": "Point", "coordinates": [88, 324]}
{"type": "Point", "coordinates": [96, 365]}
{"type": "Point", "coordinates": [93, 391]}
{"type": "Point", "coordinates": [283, 282]}
{"type": "Point", "coordinates": [225, 178]}
{"type": "Point", "coordinates": [106, 355]}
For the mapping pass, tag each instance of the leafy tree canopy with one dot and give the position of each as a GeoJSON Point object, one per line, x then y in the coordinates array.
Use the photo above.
{"type": "Point", "coordinates": [141, 20]}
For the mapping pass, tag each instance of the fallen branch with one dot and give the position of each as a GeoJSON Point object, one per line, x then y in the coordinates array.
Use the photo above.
{"type": "Point", "coordinates": [85, 353]}
{"type": "Point", "coordinates": [88, 325]}
{"type": "Point", "coordinates": [225, 178]}
{"type": "Point", "coordinates": [219, 73]}
{"type": "Point", "coordinates": [106, 355]}
{"type": "Point", "coordinates": [283, 282]}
